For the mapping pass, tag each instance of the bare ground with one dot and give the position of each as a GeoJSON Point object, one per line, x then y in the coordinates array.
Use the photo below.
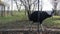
{"type": "Point", "coordinates": [24, 25]}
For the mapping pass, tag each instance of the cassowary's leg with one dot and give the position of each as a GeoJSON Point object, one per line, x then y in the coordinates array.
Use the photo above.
{"type": "Point", "coordinates": [30, 26]}
{"type": "Point", "coordinates": [42, 27]}
{"type": "Point", "coordinates": [38, 32]}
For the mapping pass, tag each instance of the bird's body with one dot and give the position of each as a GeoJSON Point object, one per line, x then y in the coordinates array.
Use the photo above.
{"type": "Point", "coordinates": [38, 16]}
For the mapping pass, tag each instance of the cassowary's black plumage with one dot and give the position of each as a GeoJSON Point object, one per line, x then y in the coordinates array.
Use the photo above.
{"type": "Point", "coordinates": [42, 16]}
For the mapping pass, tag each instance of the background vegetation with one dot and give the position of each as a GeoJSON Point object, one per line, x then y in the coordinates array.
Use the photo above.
{"type": "Point", "coordinates": [20, 20]}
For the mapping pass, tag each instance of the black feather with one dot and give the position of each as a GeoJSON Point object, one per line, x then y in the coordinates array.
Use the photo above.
{"type": "Point", "coordinates": [42, 16]}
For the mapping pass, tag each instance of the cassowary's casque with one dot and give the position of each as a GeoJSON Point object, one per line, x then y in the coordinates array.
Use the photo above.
{"type": "Point", "coordinates": [42, 16]}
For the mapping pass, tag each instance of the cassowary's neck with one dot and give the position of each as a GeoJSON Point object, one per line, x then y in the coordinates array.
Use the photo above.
{"type": "Point", "coordinates": [52, 13]}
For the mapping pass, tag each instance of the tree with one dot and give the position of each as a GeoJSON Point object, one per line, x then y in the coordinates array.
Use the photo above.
{"type": "Point", "coordinates": [28, 4]}
{"type": "Point", "coordinates": [7, 10]}
{"type": "Point", "coordinates": [2, 6]}
{"type": "Point", "coordinates": [12, 7]}
{"type": "Point", "coordinates": [2, 10]}
{"type": "Point", "coordinates": [55, 3]}
{"type": "Point", "coordinates": [18, 6]}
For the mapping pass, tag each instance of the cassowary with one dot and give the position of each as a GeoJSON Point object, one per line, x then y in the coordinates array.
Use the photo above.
{"type": "Point", "coordinates": [40, 16]}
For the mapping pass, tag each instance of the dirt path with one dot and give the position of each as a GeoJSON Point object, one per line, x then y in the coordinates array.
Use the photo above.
{"type": "Point", "coordinates": [26, 29]}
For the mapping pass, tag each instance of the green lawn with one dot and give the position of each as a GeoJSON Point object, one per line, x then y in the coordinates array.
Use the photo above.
{"type": "Point", "coordinates": [20, 20]}
{"type": "Point", "coordinates": [53, 22]}
{"type": "Point", "coordinates": [7, 21]}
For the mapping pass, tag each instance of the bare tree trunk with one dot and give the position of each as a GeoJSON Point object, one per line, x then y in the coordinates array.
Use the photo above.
{"type": "Point", "coordinates": [28, 4]}
{"type": "Point", "coordinates": [18, 5]}
{"type": "Point", "coordinates": [11, 13]}
{"type": "Point", "coordinates": [2, 11]}
{"type": "Point", "coordinates": [7, 11]}
{"type": "Point", "coordinates": [55, 8]}
{"type": "Point", "coordinates": [12, 7]}
{"type": "Point", "coordinates": [25, 11]}
{"type": "Point", "coordinates": [34, 7]}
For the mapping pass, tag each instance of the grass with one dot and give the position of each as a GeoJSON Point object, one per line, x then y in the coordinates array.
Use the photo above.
{"type": "Point", "coordinates": [18, 21]}
{"type": "Point", "coordinates": [53, 22]}
{"type": "Point", "coordinates": [7, 21]}
{"type": "Point", "coordinates": [17, 16]}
